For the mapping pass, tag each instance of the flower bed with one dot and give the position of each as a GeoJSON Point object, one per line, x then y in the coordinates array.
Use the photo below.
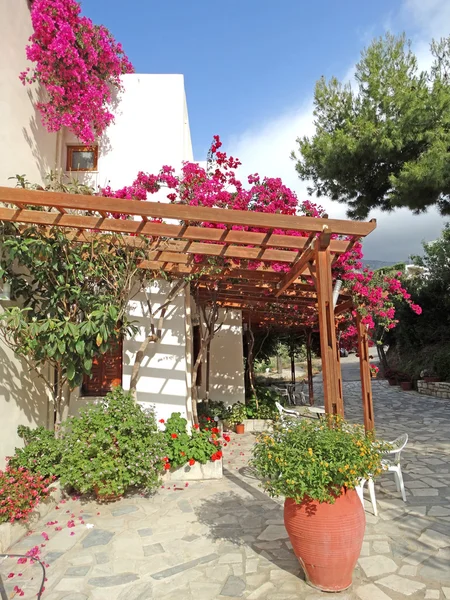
{"type": "Point", "coordinates": [10, 533]}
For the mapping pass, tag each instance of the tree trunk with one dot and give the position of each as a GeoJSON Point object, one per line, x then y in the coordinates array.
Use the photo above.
{"type": "Point", "coordinates": [58, 398]}
{"type": "Point", "coordinates": [292, 363]}
{"type": "Point", "coordinates": [250, 361]}
{"type": "Point", "coordinates": [208, 362]}
{"type": "Point", "coordinates": [279, 365]}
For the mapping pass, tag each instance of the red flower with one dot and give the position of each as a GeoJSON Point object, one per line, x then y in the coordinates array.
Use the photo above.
{"type": "Point", "coordinates": [226, 437]}
{"type": "Point", "coordinates": [183, 453]}
{"type": "Point", "coordinates": [167, 466]}
{"type": "Point", "coordinates": [174, 436]}
{"type": "Point", "coordinates": [208, 418]}
{"type": "Point", "coordinates": [215, 430]}
{"type": "Point", "coordinates": [196, 426]}
{"type": "Point", "coordinates": [165, 459]}
{"type": "Point", "coordinates": [191, 461]}
{"type": "Point", "coordinates": [161, 421]}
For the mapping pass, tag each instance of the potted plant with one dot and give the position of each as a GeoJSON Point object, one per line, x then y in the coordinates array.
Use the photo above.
{"type": "Point", "coordinates": [374, 371]}
{"type": "Point", "coordinates": [317, 468]}
{"type": "Point", "coordinates": [429, 376]}
{"type": "Point", "coordinates": [405, 381]}
{"type": "Point", "coordinates": [236, 415]}
{"type": "Point", "coordinates": [112, 446]}
{"type": "Point", "coordinates": [391, 376]}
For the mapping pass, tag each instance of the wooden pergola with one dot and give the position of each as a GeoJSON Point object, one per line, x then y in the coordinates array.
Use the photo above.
{"type": "Point", "coordinates": [235, 240]}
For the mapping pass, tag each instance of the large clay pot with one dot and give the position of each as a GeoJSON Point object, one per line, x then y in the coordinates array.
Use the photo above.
{"type": "Point", "coordinates": [327, 538]}
{"type": "Point", "coordinates": [406, 385]}
{"type": "Point", "coordinates": [240, 428]}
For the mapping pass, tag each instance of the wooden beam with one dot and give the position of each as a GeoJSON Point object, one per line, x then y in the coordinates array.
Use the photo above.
{"type": "Point", "coordinates": [298, 268]}
{"type": "Point", "coordinates": [331, 371]}
{"type": "Point", "coordinates": [183, 212]}
{"type": "Point", "coordinates": [364, 369]}
{"type": "Point", "coordinates": [344, 307]}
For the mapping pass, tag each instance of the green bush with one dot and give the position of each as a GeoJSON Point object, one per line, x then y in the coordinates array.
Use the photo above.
{"type": "Point", "coordinates": [112, 446]}
{"type": "Point", "coordinates": [201, 445]}
{"type": "Point", "coordinates": [41, 454]}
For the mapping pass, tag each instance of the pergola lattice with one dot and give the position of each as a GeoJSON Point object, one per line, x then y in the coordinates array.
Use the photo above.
{"type": "Point", "coordinates": [180, 246]}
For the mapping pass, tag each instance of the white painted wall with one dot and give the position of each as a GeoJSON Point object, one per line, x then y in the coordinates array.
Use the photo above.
{"type": "Point", "coordinates": [23, 401]}
{"type": "Point", "coordinates": [163, 381]}
{"type": "Point", "coordinates": [151, 129]}
{"type": "Point", "coordinates": [25, 146]}
{"type": "Point", "coordinates": [227, 361]}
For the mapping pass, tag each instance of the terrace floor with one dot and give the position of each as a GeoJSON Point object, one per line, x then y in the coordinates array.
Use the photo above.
{"type": "Point", "coordinates": [219, 540]}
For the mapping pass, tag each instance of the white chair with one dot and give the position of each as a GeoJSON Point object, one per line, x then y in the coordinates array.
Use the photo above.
{"type": "Point", "coordinates": [284, 412]}
{"type": "Point", "coordinates": [282, 392]}
{"type": "Point", "coordinates": [390, 464]}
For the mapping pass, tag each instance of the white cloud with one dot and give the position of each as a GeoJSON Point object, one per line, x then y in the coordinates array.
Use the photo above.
{"type": "Point", "coordinates": [266, 150]}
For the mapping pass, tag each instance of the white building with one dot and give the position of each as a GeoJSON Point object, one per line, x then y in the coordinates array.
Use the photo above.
{"type": "Point", "coordinates": [151, 129]}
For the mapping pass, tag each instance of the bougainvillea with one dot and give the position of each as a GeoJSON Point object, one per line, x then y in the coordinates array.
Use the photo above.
{"type": "Point", "coordinates": [78, 63]}
{"type": "Point", "coordinates": [218, 186]}
{"type": "Point", "coordinates": [20, 492]}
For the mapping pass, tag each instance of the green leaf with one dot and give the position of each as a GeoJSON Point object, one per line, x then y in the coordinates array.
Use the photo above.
{"type": "Point", "coordinates": [70, 371]}
{"type": "Point", "coordinates": [87, 365]}
{"type": "Point", "coordinates": [79, 346]}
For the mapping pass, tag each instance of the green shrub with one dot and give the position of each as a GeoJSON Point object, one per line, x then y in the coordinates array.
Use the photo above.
{"type": "Point", "coordinates": [201, 445]}
{"type": "Point", "coordinates": [41, 454]}
{"type": "Point", "coordinates": [112, 446]}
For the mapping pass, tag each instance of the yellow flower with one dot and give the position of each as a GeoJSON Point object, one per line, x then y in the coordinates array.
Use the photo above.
{"type": "Point", "coordinates": [269, 456]}
{"type": "Point", "coordinates": [310, 451]}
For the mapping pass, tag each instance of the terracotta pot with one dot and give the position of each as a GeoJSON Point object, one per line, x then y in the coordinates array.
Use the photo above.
{"type": "Point", "coordinates": [431, 379]}
{"type": "Point", "coordinates": [406, 385]}
{"type": "Point", "coordinates": [327, 538]}
{"type": "Point", "coordinates": [392, 381]}
{"type": "Point", "coordinates": [240, 428]}
{"type": "Point", "coordinates": [373, 375]}
{"type": "Point", "coordinates": [106, 497]}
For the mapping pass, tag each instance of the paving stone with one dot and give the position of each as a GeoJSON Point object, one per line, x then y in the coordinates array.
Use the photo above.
{"type": "Point", "coordinates": [381, 547]}
{"type": "Point", "coordinates": [425, 492]}
{"type": "Point", "coordinates": [138, 591]}
{"type": "Point", "coordinates": [434, 539]}
{"type": "Point", "coordinates": [432, 595]}
{"type": "Point", "coordinates": [77, 571]}
{"type": "Point", "coordinates": [230, 558]}
{"type": "Point", "coordinates": [113, 580]}
{"type": "Point", "coordinates": [251, 565]}
{"type": "Point", "coordinates": [101, 558]}
{"type": "Point", "coordinates": [408, 571]}
{"type": "Point", "coordinates": [52, 557]}
{"type": "Point", "coordinates": [124, 510]}
{"type": "Point", "coordinates": [184, 566]}
{"type": "Point", "coordinates": [75, 596]}
{"type": "Point", "coordinates": [446, 592]}
{"type": "Point", "coordinates": [204, 590]}
{"type": "Point", "coordinates": [190, 538]}
{"type": "Point", "coordinates": [439, 511]}
{"type": "Point", "coordinates": [376, 565]}
{"type": "Point", "coordinates": [146, 532]}
{"type": "Point", "coordinates": [273, 532]}
{"type": "Point", "coordinates": [184, 506]}
{"type": "Point", "coordinates": [234, 587]}
{"type": "Point", "coordinates": [401, 584]}
{"type": "Point", "coordinates": [153, 549]}
{"type": "Point", "coordinates": [265, 590]}
{"type": "Point", "coordinates": [371, 592]}
{"type": "Point", "coordinates": [97, 537]}
{"type": "Point", "coordinates": [67, 584]}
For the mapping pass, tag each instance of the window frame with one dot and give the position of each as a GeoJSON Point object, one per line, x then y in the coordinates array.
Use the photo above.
{"type": "Point", "coordinates": [87, 390]}
{"type": "Point", "coordinates": [81, 148]}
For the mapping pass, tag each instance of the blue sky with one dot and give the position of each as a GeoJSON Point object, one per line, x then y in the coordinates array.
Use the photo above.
{"type": "Point", "coordinates": [250, 68]}
{"type": "Point", "coordinates": [243, 60]}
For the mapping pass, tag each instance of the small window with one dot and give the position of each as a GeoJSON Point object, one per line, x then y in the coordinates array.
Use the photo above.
{"type": "Point", "coordinates": [106, 373]}
{"type": "Point", "coordinates": [82, 158]}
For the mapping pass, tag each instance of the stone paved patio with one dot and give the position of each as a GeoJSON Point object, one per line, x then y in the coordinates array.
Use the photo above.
{"type": "Point", "coordinates": [225, 539]}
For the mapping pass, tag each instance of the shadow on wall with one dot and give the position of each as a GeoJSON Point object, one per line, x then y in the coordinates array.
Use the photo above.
{"type": "Point", "coordinates": [162, 376]}
{"type": "Point", "coordinates": [227, 361]}
{"type": "Point", "coordinates": [20, 391]}
{"type": "Point", "coordinates": [41, 142]}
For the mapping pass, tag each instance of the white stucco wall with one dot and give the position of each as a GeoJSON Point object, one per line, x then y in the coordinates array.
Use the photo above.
{"type": "Point", "coordinates": [162, 381]}
{"type": "Point", "coordinates": [23, 401]}
{"type": "Point", "coordinates": [226, 381]}
{"type": "Point", "coordinates": [25, 146]}
{"type": "Point", "coordinates": [151, 129]}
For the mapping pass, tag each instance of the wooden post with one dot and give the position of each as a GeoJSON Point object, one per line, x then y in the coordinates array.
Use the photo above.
{"type": "Point", "coordinates": [364, 367]}
{"type": "Point", "coordinates": [331, 368]}
{"type": "Point", "coordinates": [309, 368]}
{"type": "Point", "coordinates": [292, 360]}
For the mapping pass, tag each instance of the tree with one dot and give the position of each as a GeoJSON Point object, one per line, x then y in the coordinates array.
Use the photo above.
{"type": "Point", "coordinates": [385, 144]}
{"type": "Point", "coordinates": [74, 293]}
{"type": "Point", "coordinates": [436, 259]}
